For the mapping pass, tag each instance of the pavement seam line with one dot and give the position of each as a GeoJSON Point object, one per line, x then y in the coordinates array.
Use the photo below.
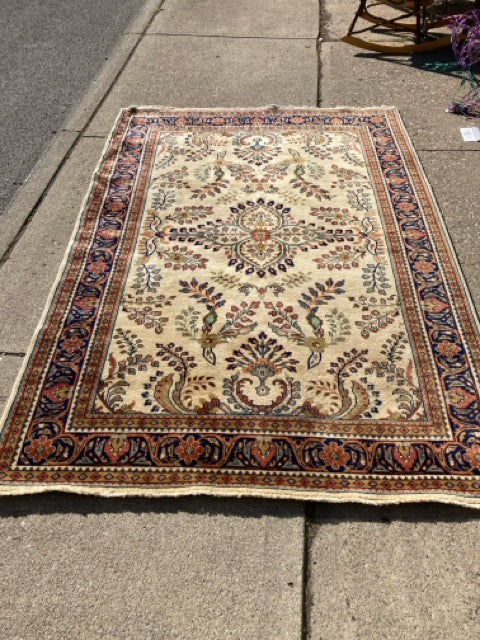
{"type": "Point", "coordinates": [227, 36]}
{"type": "Point", "coordinates": [120, 71]}
{"type": "Point", "coordinates": [318, 51]}
{"type": "Point", "coordinates": [305, 570]}
{"type": "Point", "coordinates": [18, 235]}
{"type": "Point", "coordinates": [16, 238]}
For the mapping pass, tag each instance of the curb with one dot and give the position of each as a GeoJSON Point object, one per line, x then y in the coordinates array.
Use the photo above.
{"type": "Point", "coordinates": [25, 203]}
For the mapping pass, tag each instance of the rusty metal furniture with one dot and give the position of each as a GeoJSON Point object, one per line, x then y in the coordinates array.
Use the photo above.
{"type": "Point", "coordinates": [415, 26]}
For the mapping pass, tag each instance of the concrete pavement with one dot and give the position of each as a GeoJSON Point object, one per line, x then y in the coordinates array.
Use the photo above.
{"type": "Point", "coordinates": [49, 52]}
{"type": "Point", "coordinates": [216, 568]}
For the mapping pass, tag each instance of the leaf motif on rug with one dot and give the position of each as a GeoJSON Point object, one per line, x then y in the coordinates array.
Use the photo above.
{"type": "Point", "coordinates": [256, 302]}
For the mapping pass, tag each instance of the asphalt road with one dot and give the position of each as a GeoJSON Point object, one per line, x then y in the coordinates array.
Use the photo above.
{"type": "Point", "coordinates": [50, 51]}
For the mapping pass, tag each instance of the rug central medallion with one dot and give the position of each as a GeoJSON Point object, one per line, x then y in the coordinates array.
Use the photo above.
{"type": "Point", "coordinates": [259, 237]}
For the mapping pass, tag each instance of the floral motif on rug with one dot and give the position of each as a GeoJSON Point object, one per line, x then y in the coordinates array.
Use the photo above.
{"type": "Point", "coordinates": [257, 302]}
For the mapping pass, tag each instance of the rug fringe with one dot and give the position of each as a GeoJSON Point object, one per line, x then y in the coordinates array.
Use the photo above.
{"type": "Point", "coordinates": [374, 500]}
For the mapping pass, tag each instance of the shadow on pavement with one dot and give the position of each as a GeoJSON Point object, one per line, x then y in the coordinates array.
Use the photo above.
{"type": "Point", "coordinates": [322, 513]}
{"type": "Point", "coordinates": [316, 513]}
{"type": "Point", "coordinates": [64, 503]}
{"type": "Point", "coordinates": [441, 61]}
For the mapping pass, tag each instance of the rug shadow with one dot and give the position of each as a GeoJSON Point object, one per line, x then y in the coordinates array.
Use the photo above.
{"type": "Point", "coordinates": [51, 503]}
{"type": "Point", "coordinates": [426, 512]}
{"type": "Point", "coordinates": [243, 507]}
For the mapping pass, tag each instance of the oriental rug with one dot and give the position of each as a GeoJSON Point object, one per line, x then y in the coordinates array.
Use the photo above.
{"type": "Point", "coordinates": [256, 302]}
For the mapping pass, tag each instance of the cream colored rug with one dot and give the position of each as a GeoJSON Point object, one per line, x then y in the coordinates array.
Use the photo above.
{"type": "Point", "coordinates": [257, 302]}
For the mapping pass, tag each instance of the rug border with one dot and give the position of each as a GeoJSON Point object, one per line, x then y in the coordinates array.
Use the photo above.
{"type": "Point", "coordinates": [375, 499]}
{"type": "Point", "coordinates": [60, 271]}
{"type": "Point", "coordinates": [473, 310]}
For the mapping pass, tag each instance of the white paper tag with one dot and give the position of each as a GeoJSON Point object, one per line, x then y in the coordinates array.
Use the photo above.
{"type": "Point", "coordinates": [470, 134]}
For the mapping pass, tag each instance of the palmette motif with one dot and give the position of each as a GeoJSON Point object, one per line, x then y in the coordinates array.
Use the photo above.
{"type": "Point", "coordinates": [261, 303]}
